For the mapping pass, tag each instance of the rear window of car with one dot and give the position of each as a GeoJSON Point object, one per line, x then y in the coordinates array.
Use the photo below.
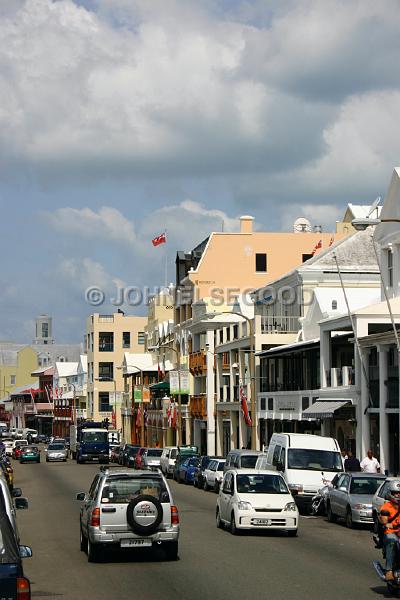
{"type": "Point", "coordinates": [154, 452]}
{"type": "Point", "coordinates": [221, 465]}
{"type": "Point", "coordinates": [56, 447]}
{"type": "Point", "coordinates": [31, 448]}
{"type": "Point", "coordinates": [248, 461]}
{"type": "Point", "coordinates": [123, 490]}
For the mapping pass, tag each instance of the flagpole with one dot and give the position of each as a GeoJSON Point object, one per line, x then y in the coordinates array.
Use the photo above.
{"type": "Point", "coordinates": [166, 262]}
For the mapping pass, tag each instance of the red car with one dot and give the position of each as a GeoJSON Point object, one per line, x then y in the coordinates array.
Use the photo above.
{"type": "Point", "coordinates": [16, 453]}
{"type": "Point", "coordinates": [139, 457]}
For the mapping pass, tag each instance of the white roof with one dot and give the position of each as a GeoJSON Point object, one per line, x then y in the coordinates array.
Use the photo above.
{"type": "Point", "coordinates": [83, 362]}
{"type": "Point", "coordinates": [357, 297]}
{"type": "Point", "coordinates": [66, 369]}
{"type": "Point", "coordinates": [144, 362]}
{"type": "Point", "coordinates": [360, 211]}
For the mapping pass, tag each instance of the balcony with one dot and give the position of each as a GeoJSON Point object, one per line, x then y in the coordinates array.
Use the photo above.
{"type": "Point", "coordinates": [198, 406]}
{"type": "Point", "coordinates": [198, 363]}
{"type": "Point", "coordinates": [340, 377]}
{"type": "Point", "coordinates": [282, 324]}
{"type": "Point", "coordinates": [225, 361]}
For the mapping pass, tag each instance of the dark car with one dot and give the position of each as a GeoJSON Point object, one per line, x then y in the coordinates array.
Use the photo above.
{"type": "Point", "coordinates": [122, 458]}
{"type": "Point", "coordinates": [43, 439]}
{"type": "Point", "coordinates": [7, 471]}
{"type": "Point", "coordinates": [29, 454]}
{"type": "Point", "coordinates": [114, 454]}
{"type": "Point", "coordinates": [187, 470]}
{"type": "Point", "coordinates": [13, 583]}
{"type": "Point", "coordinates": [198, 476]}
{"type": "Point", "coordinates": [184, 452]}
{"type": "Point", "coordinates": [129, 457]}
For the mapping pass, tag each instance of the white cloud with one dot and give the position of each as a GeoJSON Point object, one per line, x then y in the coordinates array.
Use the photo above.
{"type": "Point", "coordinates": [318, 214]}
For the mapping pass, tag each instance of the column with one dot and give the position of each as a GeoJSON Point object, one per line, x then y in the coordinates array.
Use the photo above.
{"type": "Point", "coordinates": [210, 387]}
{"type": "Point", "coordinates": [383, 415]}
{"type": "Point", "coordinates": [325, 357]}
{"type": "Point", "coordinates": [363, 425]}
{"type": "Point", "coordinates": [219, 441]}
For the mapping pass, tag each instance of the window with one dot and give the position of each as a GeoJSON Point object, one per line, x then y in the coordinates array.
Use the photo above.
{"type": "Point", "coordinates": [235, 332]}
{"type": "Point", "coordinates": [390, 267]}
{"type": "Point", "coordinates": [104, 402]}
{"type": "Point", "coordinates": [12, 379]}
{"type": "Point", "coordinates": [126, 339]}
{"type": "Point", "coordinates": [262, 403]}
{"type": "Point", "coordinates": [228, 334]}
{"type": "Point", "coordinates": [221, 336]}
{"type": "Point", "coordinates": [106, 342]}
{"type": "Point", "coordinates": [106, 371]}
{"type": "Point", "coordinates": [141, 336]}
{"type": "Point", "coordinates": [270, 404]}
{"type": "Point", "coordinates": [276, 456]}
{"type": "Point", "coordinates": [305, 402]}
{"type": "Point", "coordinates": [45, 330]}
{"type": "Point", "coordinates": [334, 304]}
{"type": "Point", "coordinates": [261, 263]}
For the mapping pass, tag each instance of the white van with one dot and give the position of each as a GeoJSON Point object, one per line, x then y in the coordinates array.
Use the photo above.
{"type": "Point", "coordinates": [32, 432]}
{"type": "Point", "coordinates": [168, 459]}
{"type": "Point", "coordinates": [305, 461]}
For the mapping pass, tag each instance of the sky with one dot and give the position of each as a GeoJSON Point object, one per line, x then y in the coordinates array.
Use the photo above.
{"type": "Point", "coordinates": [120, 119]}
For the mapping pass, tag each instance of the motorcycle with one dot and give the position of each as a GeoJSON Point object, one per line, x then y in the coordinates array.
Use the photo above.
{"type": "Point", "coordinates": [318, 505]}
{"type": "Point", "coordinates": [392, 586]}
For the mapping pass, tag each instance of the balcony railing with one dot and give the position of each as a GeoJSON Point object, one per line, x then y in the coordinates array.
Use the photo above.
{"type": "Point", "coordinates": [198, 406]}
{"type": "Point", "coordinates": [197, 363]}
{"type": "Point", "coordinates": [225, 360]}
{"type": "Point", "coordinates": [106, 347]}
{"type": "Point", "coordinates": [276, 324]}
{"type": "Point", "coordinates": [340, 376]}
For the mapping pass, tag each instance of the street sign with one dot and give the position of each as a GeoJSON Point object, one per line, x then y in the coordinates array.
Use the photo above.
{"type": "Point", "coordinates": [137, 394]}
{"type": "Point", "coordinates": [174, 377]}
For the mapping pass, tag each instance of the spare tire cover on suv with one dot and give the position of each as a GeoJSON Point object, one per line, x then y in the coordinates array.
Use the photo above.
{"type": "Point", "coordinates": [144, 514]}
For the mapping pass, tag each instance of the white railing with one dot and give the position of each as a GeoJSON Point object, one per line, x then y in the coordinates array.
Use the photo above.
{"type": "Point", "coordinates": [279, 324]}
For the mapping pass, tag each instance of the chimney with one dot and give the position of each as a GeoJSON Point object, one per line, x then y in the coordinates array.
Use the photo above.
{"type": "Point", "coordinates": [246, 224]}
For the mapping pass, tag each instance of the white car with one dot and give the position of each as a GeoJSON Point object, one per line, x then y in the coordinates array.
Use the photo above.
{"type": "Point", "coordinates": [214, 474]}
{"type": "Point", "coordinates": [256, 499]}
{"type": "Point", "coordinates": [8, 443]}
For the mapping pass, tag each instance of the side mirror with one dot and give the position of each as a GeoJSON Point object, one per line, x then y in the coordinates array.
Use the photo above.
{"type": "Point", "coordinates": [16, 492]}
{"type": "Point", "coordinates": [81, 496]}
{"type": "Point", "coordinates": [21, 503]}
{"type": "Point", "coordinates": [25, 551]}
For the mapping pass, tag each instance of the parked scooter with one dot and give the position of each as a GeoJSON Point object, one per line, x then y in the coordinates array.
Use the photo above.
{"type": "Point", "coordinates": [319, 501]}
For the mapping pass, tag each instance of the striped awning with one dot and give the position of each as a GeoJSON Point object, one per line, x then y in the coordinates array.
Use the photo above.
{"type": "Point", "coordinates": [324, 409]}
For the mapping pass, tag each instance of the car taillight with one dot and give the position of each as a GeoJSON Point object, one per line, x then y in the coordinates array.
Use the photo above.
{"type": "Point", "coordinates": [23, 589]}
{"type": "Point", "coordinates": [95, 520]}
{"type": "Point", "coordinates": [174, 516]}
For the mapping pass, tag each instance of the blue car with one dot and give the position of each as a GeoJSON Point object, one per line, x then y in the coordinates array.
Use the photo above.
{"type": "Point", "coordinates": [13, 584]}
{"type": "Point", "coordinates": [187, 470]}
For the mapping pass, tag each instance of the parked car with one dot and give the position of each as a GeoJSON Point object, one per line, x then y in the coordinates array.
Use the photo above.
{"type": "Point", "coordinates": [214, 474]}
{"type": "Point", "coordinates": [379, 499]}
{"type": "Point", "coordinates": [56, 451]}
{"type": "Point", "coordinates": [130, 454]}
{"type": "Point", "coordinates": [8, 443]}
{"type": "Point", "coordinates": [43, 439]}
{"type": "Point", "coordinates": [241, 459]}
{"type": "Point", "coordinates": [198, 476]}
{"type": "Point", "coordinates": [167, 460]}
{"type": "Point", "coordinates": [14, 585]}
{"type": "Point", "coordinates": [17, 447]}
{"type": "Point", "coordinates": [187, 470]}
{"type": "Point", "coordinates": [114, 454]}
{"type": "Point", "coordinates": [128, 509]}
{"type": "Point", "coordinates": [351, 497]}
{"type": "Point", "coordinates": [252, 499]}
{"type": "Point", "coordinates": [8, 471]}
{"type": "Point", "coordinates": [29, 454]}
{"type": "Point", "coordinates": [184, 452]}
{"type": "Point", "coordinates": [151, 458]}
{"type": "Point", "coordinates": [10, 502]}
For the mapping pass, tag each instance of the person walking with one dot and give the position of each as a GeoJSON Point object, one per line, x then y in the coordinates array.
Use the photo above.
{"type": "Point", "coordinates": [370, 464]}
{"type": "Point", "coordinates": [352, 464]}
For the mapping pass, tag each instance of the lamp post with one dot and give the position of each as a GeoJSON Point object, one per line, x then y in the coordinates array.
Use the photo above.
{"type": "Point", "coordinates": [252, 368]}
{"type": "Point", "coordinates": [178, 360]}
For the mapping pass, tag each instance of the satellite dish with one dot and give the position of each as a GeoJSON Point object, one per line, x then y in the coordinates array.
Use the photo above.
{"type": "Point", "coordinates": [302, 225]}
{"type": "Point", "coordinates": [374, 206]}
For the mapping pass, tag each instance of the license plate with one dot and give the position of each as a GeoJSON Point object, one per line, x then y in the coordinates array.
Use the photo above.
{"type": "Point", "coordinates": [135, 542]}
{"type": "Point", "coordinates": [262, 521]}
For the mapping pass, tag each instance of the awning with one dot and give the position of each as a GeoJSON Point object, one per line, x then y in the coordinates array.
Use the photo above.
{"type": "Point", "coordinates": [324, 409]}
{"type": "Point", "coordinates": [162, 385]}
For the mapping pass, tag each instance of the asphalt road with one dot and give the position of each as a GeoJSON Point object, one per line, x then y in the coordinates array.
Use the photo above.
{"type": "Point", "coordinates": [326, 561]}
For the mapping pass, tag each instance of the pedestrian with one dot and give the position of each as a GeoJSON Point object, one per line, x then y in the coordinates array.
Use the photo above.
{"type": "Point", "coordinates": [370, 464]}
{"type": "Point", "coordinates": [352, 464]}
{"type": "Point", "coordinates": [344, 454]}
{"type": "Point", "coordinates": [29, 438]}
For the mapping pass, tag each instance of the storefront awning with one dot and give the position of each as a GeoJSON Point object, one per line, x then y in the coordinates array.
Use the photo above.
{"type": "Point", "coordinates": [162, 385]}
{"type": "Point", "coordinates": [323, 409]}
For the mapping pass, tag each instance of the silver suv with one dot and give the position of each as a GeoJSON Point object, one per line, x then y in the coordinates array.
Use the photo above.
{"type": "Point", "coordinates": [128, 509]}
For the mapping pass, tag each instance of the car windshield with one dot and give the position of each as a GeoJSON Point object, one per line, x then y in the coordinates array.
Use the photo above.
{"type": "Point", "coordinates": [314, 460]}
{"type": "Point", "coordinates": [365, 485]}
{"type": "Point", "coordinates": [121, 490]}
{"type": "Point", "coordinates": [154, 452]}
{"type": "Point", "coordinates": [30, 449]}
{"type": "Point", "coordinates": [56, 447]}
{"type": "Point", "coordinates": [261, 484]}
{"type": "Point", "coordinates": [220, 466]}
{"type": "Point", "coordinates": [248, 461]}
{"type": "Point", "coordinates": [95, 436]}
{"type": "Point", "coordinates": [193, 462]}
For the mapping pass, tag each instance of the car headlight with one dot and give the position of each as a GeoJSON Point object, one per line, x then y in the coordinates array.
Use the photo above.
{"type": "Point", "coordinates": [244, 505]}
{"type": "Point", "coordinates": [290, 506]}
{"type": "Point", "coordinates": [362, 506]}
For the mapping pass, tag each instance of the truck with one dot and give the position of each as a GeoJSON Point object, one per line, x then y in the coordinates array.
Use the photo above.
{"type": "Point", "coordinates": [89, 442]}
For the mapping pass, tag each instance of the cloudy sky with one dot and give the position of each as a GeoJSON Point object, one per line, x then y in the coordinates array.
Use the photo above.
{"type": "Point", "coordinates": [120, 118]}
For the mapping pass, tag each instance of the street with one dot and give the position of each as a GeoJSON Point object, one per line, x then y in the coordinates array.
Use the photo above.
{"type": "Point", "coordinates": [325, 561]}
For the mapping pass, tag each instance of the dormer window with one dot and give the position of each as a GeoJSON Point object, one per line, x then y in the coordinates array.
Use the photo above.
{"type": "Point", "coordinates": [334, 304]}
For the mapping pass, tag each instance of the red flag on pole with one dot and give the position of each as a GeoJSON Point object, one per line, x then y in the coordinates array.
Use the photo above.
{"type": "Point", "coordinates": [160, 239]}
{"type": "Point", "coordinates": [139, 417]}
{"type": "Point", "coordinates": [331, 241]}
{"type": "Point", "coordinates": [160, 377]}
{"type": "Point", "coordinates": [169, 415]}
{"type": "Point", "coordinates": [317, 247]}
{"type": "Point", "coordinates": [175, 417]}
{"type": "Point", "coordinates": [245, 410]}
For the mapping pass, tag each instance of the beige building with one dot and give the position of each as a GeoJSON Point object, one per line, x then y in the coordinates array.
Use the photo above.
{"type": "Point", "coordinates": [355, 211]}
{"type": "Point", "coordinates": [108, 338]}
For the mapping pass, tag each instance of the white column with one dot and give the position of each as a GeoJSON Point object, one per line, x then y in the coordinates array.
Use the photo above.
{"type": "Point", "coordinates": [210, 385]}
{"type": "Point", "coordinates": [363, 416]}
{"type": "Point", "coordinates": [219, 435]}
{"type": "Point", "coordinates": [383, 415]}
{"type": "Point", "coordinates": [325, 354]}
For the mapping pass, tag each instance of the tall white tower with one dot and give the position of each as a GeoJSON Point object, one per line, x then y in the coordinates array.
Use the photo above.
{"type": "Point", "coordinates": [44, 330]}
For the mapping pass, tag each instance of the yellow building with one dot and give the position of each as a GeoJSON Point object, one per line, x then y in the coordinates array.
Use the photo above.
{"type": "Point", "coordinates": [108, 337]}
{"type": "Point", "coordinates": [16, 367]}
